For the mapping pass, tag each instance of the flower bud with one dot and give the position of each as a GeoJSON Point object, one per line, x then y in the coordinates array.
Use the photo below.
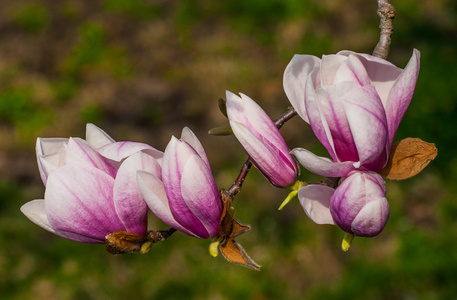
{"type": "Point", "coordinates": [261, 140]}
{"type": "Point", "coordinates": [186, 198]}
{"type": "Point", "coordinates": [359, 205]}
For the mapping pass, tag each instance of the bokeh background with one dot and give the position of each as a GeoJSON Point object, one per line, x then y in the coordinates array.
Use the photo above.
{"type": "Point", "coordinates": [142, 70]}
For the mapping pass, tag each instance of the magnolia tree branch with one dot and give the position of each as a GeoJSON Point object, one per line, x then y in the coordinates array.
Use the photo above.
{"type": "Point", "coordinates": [386, 13]}
{"type": "Point", "coordinates": [236, 186]}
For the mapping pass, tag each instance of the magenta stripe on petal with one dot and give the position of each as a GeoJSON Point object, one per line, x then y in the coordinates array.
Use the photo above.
{"type": "Point", "coordinates": [154, 194]}
{"type": "Point", "coordinates": [401, 94]}
{"type": "Point", "coordinates": [175, 157]}
{"type": "Point", "coordinates": [359, 205]}
{"type": "Point", "coordinates": [266, 158]}
{"type": "Point", "coordinates": [201, 196]}
{"type": "Point", "coordinates": [352, 69]}
{"type": "Point", "coordinates": [368, 124]}
{"type": "Point", "coordinates": [331, 101]}
{"type": "Point", "coordinates": [249, 120]}
{"type": "Point", "coordinates": [79, 200]}
{"type": "Point", "coordinates": [317, 119]}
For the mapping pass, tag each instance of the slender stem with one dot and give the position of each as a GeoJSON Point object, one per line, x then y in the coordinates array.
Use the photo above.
{"type": "Point", "coordinates": [236, 186]}
{"type": "Point", "coordinates": [285, 117]}
{"type": "Point", "coordinates": [386, 13]}
{"type": "Point", "coordinates": [160, 235]}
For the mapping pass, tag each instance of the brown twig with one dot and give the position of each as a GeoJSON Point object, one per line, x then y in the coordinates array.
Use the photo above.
{"type": "Point", "coordinates": [386, 13]}
{"type": "Point", "coordinates": [160, 235]}
{"type": "Point", "coordinates": [236, 186]}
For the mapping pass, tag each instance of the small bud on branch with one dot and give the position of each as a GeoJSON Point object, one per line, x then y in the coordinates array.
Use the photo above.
{"type": "Point", "coordinates": [236, 186]}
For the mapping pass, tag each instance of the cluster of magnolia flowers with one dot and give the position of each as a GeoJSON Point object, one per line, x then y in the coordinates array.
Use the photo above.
{"type": "Point", "coordinates": [100, 191]}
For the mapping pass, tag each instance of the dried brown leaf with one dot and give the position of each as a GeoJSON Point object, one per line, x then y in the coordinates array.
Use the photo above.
{"type": "Point", "coordinates": [234, 253]}
{"type": "Point", "coordinates": [408, 157]}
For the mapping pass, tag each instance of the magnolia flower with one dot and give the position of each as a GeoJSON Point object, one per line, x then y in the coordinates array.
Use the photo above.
{"type": "Point", "coordinates": [261, 139]}
{"type": "Point", "coordinates": [354, 104]}
{"type": "Point", "coordinates": [186, 197]}
{"type": "Point", "coordinates": [91, 188]}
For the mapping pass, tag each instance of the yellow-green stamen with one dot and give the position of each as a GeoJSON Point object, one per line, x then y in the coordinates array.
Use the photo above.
{"type": "Point", "coordinates": [146, 247]}
{"type": "Point", "coordinates": [213, 251]}
{"type": "Point", "coordinates": [295, 187]}
{"type": "Point", "coordinates": [347, 240]}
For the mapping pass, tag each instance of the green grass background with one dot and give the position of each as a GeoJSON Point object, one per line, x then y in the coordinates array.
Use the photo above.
{"type": "Point", "coordinates": [142, 70]}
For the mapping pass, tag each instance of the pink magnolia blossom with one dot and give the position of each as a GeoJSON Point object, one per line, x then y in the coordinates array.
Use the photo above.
{"type": "Point", "coordinates": [91, 188]}
{"type": "Point", "coordinates": [354, 104]}
{"type": "Point", "coordinates": [186, 197]}
{"type": "Point", "coordinates": [261, 139]}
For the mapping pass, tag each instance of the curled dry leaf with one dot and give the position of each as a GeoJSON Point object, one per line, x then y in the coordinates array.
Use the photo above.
{"type": "Point", "coordinates": [228, 230]}
{"type": "Point", "coordinates": [408, 157]}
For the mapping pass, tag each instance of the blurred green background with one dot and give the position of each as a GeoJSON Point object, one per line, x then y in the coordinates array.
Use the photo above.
{"type": "Point", "coordinates": [142, 70]}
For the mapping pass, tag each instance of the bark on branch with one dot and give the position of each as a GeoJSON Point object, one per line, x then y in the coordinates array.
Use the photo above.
{"type": "Point", "coordinates": [386, 13]}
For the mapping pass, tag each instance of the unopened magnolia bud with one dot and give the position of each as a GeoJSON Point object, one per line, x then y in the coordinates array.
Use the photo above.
{"type": "Point", "coordinates": [261, 140]}
{"type": "Point", "coordinates": [359, 205]}
{"type": "Point", "coordinates": [408, 157]}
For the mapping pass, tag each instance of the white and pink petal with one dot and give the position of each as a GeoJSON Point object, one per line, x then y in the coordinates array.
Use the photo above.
{"type": "Point", "coordinates": [368, 125]}
{"type": "Point", "coordinates": [266, 158]}
{"type": "Point", "coordinates": [79, 200]}
{"type": "Point", "coordinates": [189, 137]}
{"type": "Point", "coordinates": [401, 94]}
{"type": "Point", "coordinates": [315, 200]}
{"type": "Point", "coordinates": [294, 81]}
{"type": "Point", "coordinates": [120, 150]}
{"type": "Point", "coordinates": [96, 137]}
{"type": "Point", "coordinates": [323, 166]}
{"type": "Point", "coordinates": [201, 196]}
{"type": "Point", "coordinates": [155, 196]}
{"type": "Point", "coordinates": [127, 198]}
{"type": "Point", "coordinates": [79, 153]}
